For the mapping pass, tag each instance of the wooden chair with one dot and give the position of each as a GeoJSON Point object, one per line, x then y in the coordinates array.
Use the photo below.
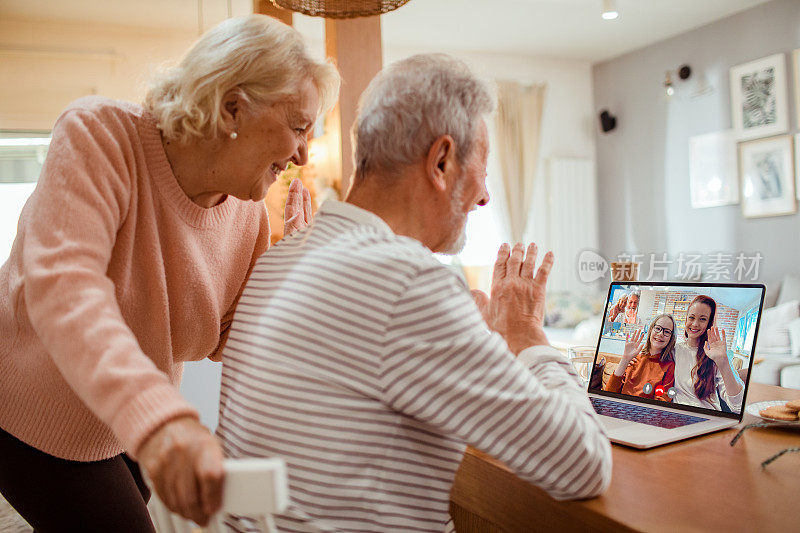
{"type": "Point", "coordinates": [254, 487]}
{"type": "Point", "coordinates": [607, 371]}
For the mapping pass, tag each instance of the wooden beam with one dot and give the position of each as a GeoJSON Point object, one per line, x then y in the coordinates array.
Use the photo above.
{"type": "Point", "coordinates": [265, 7]}
{"type": "Point", "coordinates": [355, 46]}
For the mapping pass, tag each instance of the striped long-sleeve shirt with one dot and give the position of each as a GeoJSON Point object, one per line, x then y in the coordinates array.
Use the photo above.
{"type": "Point", "coordinates": [362, 361]}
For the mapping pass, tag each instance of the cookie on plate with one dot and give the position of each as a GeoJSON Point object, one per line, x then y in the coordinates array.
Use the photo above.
{"type": "Point", "coordinates": [794, 405]}
{"type": "Point", "coordinates": [779, 412]}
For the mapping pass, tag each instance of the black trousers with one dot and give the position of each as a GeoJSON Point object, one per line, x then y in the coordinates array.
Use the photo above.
{"type": "Point", "coordinates": [57, 495]}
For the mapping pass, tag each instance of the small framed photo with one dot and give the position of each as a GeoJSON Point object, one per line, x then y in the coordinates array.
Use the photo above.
{"type": "Point", "coordinates": [797, 165]}
{"type": "Point", "coordinates": [767, 175]}
{"type": "Point", "coordinates": [796, 62]}
{"type": "Point", "coordinates": [759, 98]}
{"type": "Point", "coordinates": [713, 173]}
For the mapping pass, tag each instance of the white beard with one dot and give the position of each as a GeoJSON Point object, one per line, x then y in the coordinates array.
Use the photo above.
{"type": "Point", "coordinates": [458, 240]}
{"type": "Point", "coordinates": [457, 245]}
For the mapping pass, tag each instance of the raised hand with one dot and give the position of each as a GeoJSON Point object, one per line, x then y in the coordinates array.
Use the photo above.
{"type": "Point", "coordinates": [298, 213]}
{"type": "Point", "coordinates": [633, 347]}
{"type": "Point", "coordinates": [516, 307]}
{"type": "Point", "coordinates": [716, 346]}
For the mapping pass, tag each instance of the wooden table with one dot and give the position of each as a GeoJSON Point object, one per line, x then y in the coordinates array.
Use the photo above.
{"type": "Point", "coordinates": [701, 484]}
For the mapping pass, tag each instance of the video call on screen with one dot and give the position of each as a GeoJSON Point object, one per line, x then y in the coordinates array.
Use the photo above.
{"type": "Point", "coordinates": [682, 345]}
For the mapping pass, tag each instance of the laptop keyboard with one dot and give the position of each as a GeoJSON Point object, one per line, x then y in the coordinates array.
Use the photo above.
{"type": "Point", "coordinates": [645, 415]}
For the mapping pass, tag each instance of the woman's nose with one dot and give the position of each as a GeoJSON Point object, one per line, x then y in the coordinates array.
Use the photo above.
{"type": "Point", "coordinates": [300, 156]}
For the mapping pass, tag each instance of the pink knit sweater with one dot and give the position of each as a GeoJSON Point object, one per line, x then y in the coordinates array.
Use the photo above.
{"type": "Point", "coordinates": [115, 278]}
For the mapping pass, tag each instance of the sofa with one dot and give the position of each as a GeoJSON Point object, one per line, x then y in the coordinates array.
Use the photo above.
{"type": "Point", "coordinates": [777, 353]}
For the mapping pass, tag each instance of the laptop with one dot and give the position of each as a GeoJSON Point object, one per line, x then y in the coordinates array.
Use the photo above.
{"type": "Point", "coordinates": [656, 398]}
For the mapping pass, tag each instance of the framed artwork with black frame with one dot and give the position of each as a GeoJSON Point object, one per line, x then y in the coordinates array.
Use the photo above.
{"type": "Point", "coordinates": [759, 98]}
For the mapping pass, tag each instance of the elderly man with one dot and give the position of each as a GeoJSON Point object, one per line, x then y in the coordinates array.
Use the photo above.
{"type": "Point", "coordinates": [364, 362]}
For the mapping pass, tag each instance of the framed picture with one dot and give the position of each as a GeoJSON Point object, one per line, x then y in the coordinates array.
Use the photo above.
{"type": "Point", "coordinates": [713, 174]}
{"type": "Point", "coordinates": [767, 175]}
{"type": "Point", "coordinates": [796, 62]}
{"type": "Point", "coordinates": [759, 98]}
{"type": "Point", "coordinates": [797, 165]}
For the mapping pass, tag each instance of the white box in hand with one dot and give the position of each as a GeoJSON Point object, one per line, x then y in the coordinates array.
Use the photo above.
{"type": "Point", "coordinates": [255, 486]}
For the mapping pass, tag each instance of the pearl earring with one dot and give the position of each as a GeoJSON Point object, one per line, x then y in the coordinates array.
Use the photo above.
{"type": "Point", "coordinates": [234, 135]}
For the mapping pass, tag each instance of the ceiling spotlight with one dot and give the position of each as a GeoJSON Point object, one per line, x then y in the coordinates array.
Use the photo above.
{"type": "Point", "coordinates": [610, 11]}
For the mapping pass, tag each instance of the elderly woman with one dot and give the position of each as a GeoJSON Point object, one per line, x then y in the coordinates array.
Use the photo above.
{"type": "Point", "coordinates": [629, 313]}
{"type": "Point", "coordinates": [129, 259]}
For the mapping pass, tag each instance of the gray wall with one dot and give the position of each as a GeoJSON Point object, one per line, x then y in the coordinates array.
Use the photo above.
{"type": "Point", "coordinates": [643, 165]}
{"type": "Point", "coordinates": [200, 386]}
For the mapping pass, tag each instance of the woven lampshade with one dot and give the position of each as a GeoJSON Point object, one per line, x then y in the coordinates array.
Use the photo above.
{"type": "Point", "coordinates": [340, 9]}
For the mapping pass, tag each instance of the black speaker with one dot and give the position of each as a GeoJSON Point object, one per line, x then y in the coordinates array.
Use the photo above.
{"type": "Point", "coordinates": [607, 121]}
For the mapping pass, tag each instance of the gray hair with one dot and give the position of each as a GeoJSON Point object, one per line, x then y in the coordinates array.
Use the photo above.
{"type": "Point", "coordinates": [266, 59]}
{"type": "Point", "coordinates": [410, 104]}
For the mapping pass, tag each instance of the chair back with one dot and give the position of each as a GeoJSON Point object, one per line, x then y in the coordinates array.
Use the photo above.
{"type": "Point", "coordinates": [254, 487]}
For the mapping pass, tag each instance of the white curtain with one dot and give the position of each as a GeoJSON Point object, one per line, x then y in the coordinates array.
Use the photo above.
{"type": "Point", "coordinates": [518, 132]}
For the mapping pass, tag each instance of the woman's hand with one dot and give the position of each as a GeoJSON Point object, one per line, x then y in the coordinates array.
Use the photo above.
{"type": "Point", "coordinates": [633, 347]}
{"type": "Point", "coordinates": [716, 347]}
{"type": "Point", "coordinates": [516, 307]}
{"type": "Point", "coordinates": [297, 213]}
{"type": "Point", "coordinates": [184, 463]}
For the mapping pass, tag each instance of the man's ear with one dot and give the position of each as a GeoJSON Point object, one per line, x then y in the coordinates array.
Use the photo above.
{"type": "Point", "coordinates": [231, 109]}
{"type": "Point", "coordinates": [440, 161]}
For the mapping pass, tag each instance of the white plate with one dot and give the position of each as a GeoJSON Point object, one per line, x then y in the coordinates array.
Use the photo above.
{"type": "Point", "coordinates": [754, 408]}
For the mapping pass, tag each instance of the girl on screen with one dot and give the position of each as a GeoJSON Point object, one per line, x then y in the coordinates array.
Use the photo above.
{"type": "Point", "coordinates": [650, 363]}
{"type": "Point", "coordinates": [703, 371]}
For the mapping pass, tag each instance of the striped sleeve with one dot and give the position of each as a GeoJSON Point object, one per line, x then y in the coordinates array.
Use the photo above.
{"type": "Point", "coordinates": [443, 367]}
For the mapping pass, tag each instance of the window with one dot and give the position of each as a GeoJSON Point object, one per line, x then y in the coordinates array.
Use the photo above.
{"type": "Point", "coordinates": [22, 154]}
{"type": "Point", "coordinates": [745, 330]}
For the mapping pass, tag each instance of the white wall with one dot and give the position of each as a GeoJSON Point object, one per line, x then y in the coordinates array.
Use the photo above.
{"type": "Point", "coordinates": [643, 165]}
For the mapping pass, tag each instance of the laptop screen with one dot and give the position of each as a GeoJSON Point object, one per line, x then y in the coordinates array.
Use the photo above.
{"type": "Point", "coordinates": [687, 345]}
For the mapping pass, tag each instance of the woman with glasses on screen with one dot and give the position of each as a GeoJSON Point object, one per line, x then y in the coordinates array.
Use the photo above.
{"type": "Point", "coordinates": [647, 369]}
{"type": "Point", "coordinates": [703, 371]}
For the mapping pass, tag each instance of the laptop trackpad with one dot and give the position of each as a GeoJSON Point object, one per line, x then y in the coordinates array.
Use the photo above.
{"type": "Point", "coordinates": [614, 423]}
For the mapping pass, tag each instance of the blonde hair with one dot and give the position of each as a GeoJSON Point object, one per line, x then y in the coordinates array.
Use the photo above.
{"type": "Point", "coordinates": [264, 58]}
